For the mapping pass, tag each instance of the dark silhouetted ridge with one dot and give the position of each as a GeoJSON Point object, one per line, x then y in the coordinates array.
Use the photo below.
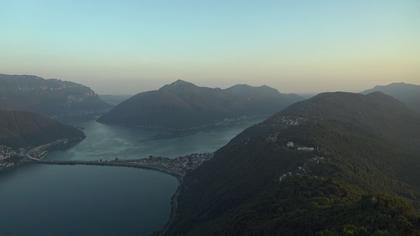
{"type": "Point", "coordinates": [52, 97]}
{"type": "Point", "coordinates": [333, 164]}
{"type": "Point", "coordinates": [179, 85]}
{"type": "Point", "coordinates": [183, 105]}
{"type": "Point", "coordinates": [409, 94]}
{"type": "Point", "coordinates": [26, 129]}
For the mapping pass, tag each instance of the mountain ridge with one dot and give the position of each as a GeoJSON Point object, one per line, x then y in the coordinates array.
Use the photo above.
{"type": "Point", "coordinates": [22, 129]}
{"type": "Point", "coordinates": [407, 93]}
{"type": "Point", "coordinates": [295, 172]}
{"type": "Point", "coordinates": [55, 98]}
{"type": "Point", "coordinates": [184, 105]}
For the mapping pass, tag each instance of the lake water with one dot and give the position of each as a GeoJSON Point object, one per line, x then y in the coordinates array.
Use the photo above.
{"type": "Point", "coordinates": [88, 200]}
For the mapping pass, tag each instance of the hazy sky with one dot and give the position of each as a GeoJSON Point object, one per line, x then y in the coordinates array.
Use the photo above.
{"type": "Point", "coordinates": [124, 47]}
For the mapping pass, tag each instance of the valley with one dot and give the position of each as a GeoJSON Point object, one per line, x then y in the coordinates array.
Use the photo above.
{"type": "Point", "coordinates": [210, 118]}
{"type": "Point", "coordinates": [239, 169]}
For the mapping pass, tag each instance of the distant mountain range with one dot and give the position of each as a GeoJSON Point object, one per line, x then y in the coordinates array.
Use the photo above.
{"type": "Point", "coordinates": [21, 129]}
{"type": "Point", "coordinates": [407, 93]}
{"type": "Point", "coordinates": [114, 100]}
{"type": "Point", "coordinates": [52, 97]}
{"type": "Point", "coordinates": [183, 105]}
{"type": "Point", "coordinates": [335, 164]}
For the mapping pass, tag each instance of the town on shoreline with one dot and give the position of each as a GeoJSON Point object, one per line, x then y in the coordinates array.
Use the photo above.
{"type": "Point", "coordinates": [178, 167]}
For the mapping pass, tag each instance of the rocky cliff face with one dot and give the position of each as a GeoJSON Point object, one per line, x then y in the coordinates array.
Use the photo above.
{"type": "Point", "coordinates": [54, 98]}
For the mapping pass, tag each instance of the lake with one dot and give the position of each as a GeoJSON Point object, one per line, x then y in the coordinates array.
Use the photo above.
{"type": "Point", "coordinates": [93, 200]}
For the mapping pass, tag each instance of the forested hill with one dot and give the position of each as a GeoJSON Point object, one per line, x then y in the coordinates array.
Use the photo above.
{"type": "Point", "coordinates": [336, 164]}
{"type": "Point", "coordinates": [52, 97]}
{"type": "Point", "coordinates": [26, 129]}
{"type": "Point", "coordinates": [407, 93]}
{"type": "Point", "coordinates": [183, 105]}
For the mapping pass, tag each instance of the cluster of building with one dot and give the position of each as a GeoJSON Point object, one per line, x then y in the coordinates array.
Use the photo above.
{"type": "Point", "coordinates": [7, 156]}
{"type": "Point", "coordinates": [317, 159]}
{"type": "Point", "coordinates": [292, 145]}
{"type": "Point", "coordinates": [40, 152]}
{"type": "Point", "coordinates": [300, 171]}
{"type": "Point", "coordinates": [178, 166]}
{"type": "Point", "coordinates": [290, 120]}
{"type": "Point", "coordinates": [192, 161]}
{"type": "Point", "coordinates": [305, 168]}
{"type": "Point", "coordinates": [6, 153]}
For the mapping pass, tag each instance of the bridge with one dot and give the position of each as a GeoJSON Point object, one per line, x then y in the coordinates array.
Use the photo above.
{"type": "Point", "coordinates": [177, 167]}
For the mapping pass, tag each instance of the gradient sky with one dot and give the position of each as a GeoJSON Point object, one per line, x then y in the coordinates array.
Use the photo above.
{"type": "Point", "coordinates": [124, 47]}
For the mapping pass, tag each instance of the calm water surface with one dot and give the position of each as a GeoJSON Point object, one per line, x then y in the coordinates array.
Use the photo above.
{"type": "Point", "coordinates": [89, 200]}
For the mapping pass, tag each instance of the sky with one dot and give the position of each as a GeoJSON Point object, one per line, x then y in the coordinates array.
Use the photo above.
{"type": "Point", "coordinates": [127, 46]}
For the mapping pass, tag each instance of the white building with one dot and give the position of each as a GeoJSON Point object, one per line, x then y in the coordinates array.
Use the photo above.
{"type": "Point", "coordinates": [306, 149]}
{"type": "Point", "coordinates": [290, 144]}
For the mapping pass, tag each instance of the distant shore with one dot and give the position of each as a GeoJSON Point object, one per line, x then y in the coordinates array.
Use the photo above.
{"type": "Point", "coordinates": [18, 157]}
{"type": "Point", "coordinates": [177, 167]}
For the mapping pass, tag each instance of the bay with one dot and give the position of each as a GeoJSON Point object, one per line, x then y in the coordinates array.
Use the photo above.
{"type": "Point", "coordinates": [89, 200]}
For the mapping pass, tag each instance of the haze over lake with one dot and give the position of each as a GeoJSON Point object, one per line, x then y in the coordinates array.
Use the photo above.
{"type": "Point", "coordinates": [110, 142]}
{"type": "Point", "coordinates": [109, 200]}
{"type": "Point", "coordinates": [209, 118]}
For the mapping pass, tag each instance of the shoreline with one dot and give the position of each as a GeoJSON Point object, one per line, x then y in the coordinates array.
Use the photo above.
{"type": "Point", "coordinates": [178, 169]}
{"type": "Point", "coordinates": [37, 155]}
{"type": "Point", "coordinates": [174, 208]}
{"type": "Point", "coordinates": [174, 197]}
{"type": "Point", "coordinates": [105, 163]}
{"type": "Point", "coordinates": [21, 156]}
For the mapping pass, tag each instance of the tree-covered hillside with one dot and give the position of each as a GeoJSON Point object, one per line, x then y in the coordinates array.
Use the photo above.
{"type": "Point", "coordinates": [406, 93]}
{"type": "Point", "coordinates": [52, 97]}
{"type": "Point", "coordinates": [183, 105]}
{"type": "Point", "coordinates": [25, 129]}
{"type": "Point", "coordinates": [336, 164]}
